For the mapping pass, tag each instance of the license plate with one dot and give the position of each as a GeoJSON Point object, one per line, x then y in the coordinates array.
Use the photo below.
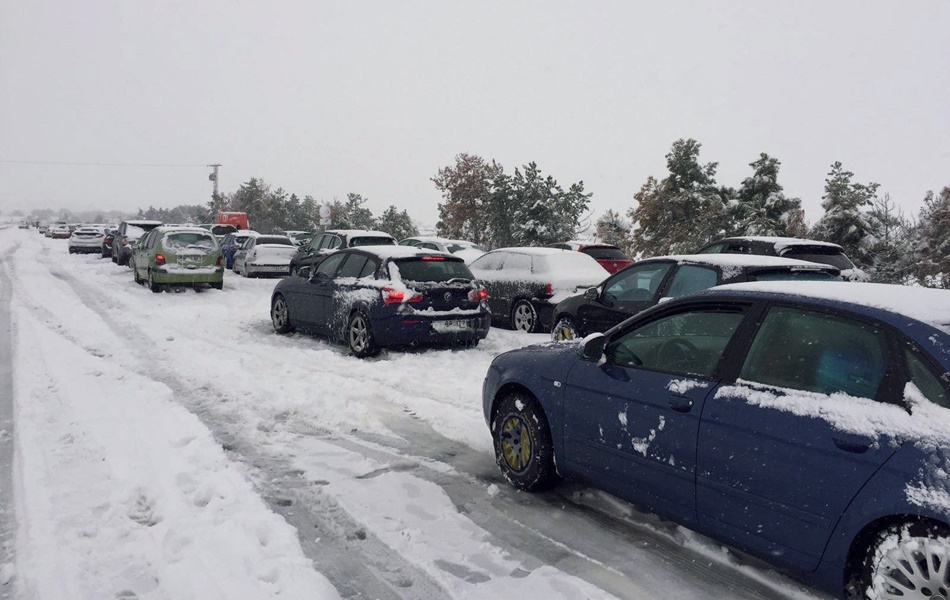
{"type": "Point", "coordinates": [452, 325]}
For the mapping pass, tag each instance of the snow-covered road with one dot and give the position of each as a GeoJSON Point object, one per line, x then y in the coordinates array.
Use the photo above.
{"type": "Point", "coordinates": [172, 446]}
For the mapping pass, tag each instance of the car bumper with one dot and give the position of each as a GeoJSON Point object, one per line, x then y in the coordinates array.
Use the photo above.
{"type": "Point", "coordinates": [272, 269]}
{"type": "Point", "coordinates": [410, 330]}
{"type": "Point", "coordinates": [173, 276]}
{"type": "Point", "coordinates": [85, 246]}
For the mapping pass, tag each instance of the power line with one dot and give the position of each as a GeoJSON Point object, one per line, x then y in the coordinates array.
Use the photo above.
{"type": "Point", "coordinates": [96, 164]}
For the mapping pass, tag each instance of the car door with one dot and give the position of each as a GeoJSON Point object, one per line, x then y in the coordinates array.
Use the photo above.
{"type": "Point", "coordinates": [690, 279]}
{"type": "Point", "coordinates": [306, 253]}
{"type": "Point", "coordinates": [624, 294]}
{"type": "Point", "coordinates": [631, 420]}
{"type": "Point", "coordinates": [341, 292]}
{"type": "Point", "coordinates": [315, 294]}
{"type": "Point", "coordinates": [487, 270]}
{"type": "Point", "coordinates": [777, 461]}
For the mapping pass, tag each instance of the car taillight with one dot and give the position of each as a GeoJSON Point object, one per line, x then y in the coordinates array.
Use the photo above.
{"type": "Point", "coordinates": [124, 242]}
{"type": "Point", "coordinates": [548, 290]}
{"type": "Point", "coordinates": [479, 295]}
{"type": "Point", "coordinates": [159, 260]}
{"type": "Point", "coordinates": [220, 261]}
{"type": "Point", "coordinates": [391, 296]}
{"type": "Point", "coordinates": [433, 258]}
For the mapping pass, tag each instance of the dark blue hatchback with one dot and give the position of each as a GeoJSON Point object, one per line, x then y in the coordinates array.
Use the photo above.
{"type": "Point", "coordinates": [793, 421]}
{"type": "Point", "coordinates": [379, 296]}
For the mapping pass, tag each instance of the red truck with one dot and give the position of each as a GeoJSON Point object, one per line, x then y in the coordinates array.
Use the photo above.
{"type": "Point", "coordinates": [237, 219]}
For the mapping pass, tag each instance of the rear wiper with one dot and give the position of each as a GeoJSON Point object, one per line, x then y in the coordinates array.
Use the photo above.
{"type": "Point", "coordinates": [459, 280]}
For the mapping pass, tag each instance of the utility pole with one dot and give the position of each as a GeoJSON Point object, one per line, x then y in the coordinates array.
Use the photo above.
{"type": "Point", "coordinates": [214, 178]}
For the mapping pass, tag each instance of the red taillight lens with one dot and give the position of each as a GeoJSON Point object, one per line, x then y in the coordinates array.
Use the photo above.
{"type": "Point", "coordinates": [433, 258]}
{"type": "Point", "coordinates": [549, 290]}
{"type": "Point", "coordinates": [479, 295]}
{"type": "Point", "coordinates": [220, 261]}
{"type": "Point", "coordinates": [159, 260]}
{"type": "Point", "coordinates": [391, 296]}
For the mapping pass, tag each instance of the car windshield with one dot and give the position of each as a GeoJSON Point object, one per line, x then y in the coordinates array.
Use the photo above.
{"type": "Point", "coordinates": [604, 253]}
{"type": "Point", "coordinates": [274, 239]}
{"type": "Point", "coordinates": [831, 256]}
{"type": "Point", "coordinates": [372, 241]}
{"type": "Point", "coordinates": [177, 241]}
{"type": "Point", "coordinates": [134, 232]}
{"type": "Point", "coordinates": [436, 269]}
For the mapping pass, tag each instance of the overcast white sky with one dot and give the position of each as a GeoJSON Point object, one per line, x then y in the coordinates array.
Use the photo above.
{"type": "Point", "coordinates": [326, 98]}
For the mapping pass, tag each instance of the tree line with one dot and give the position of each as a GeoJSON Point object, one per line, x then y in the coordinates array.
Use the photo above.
{"type": "Point", "coordinates": [677, 213]}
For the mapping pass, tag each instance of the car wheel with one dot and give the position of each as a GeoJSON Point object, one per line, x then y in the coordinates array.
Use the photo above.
{"type": "Point", "coordinates": [293, 270]}
{"type": "Point", "coordinates": [523, 447]}
{"type": "Point", "coordinates": [564, 330]}
{"type": "Point", "coordinates": [135, 277]}
{"type": "Point", "coordinates": [218, 285]}
{"type": "Point", "coordinates": [280, 315]}
{"type": "Point", "coordinates": [524, 317]}
{"type": "Point", "coordinates": [152, 285]}
{"type": "Point", "coordinates": [359, 336]}
{"type": "Point", "coordinates": [905, 561]}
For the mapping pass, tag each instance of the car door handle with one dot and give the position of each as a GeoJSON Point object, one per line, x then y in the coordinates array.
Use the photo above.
{"type": "Point", "coordinates": [852, 443]}
{"type": "Point", "coordinates": [680, 403]}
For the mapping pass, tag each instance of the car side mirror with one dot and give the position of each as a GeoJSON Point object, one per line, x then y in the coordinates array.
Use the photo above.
{"type": "Point", "coordinates": [593, 348]}
{"type": "Point", "coordinates": [304, 272]}
{"type": "Point", "coordinates": [591, 294]}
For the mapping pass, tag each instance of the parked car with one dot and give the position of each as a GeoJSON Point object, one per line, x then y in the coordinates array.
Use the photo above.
{"type": "Point", "coordinates": [24, 225]}
{"type": "Point", "coordinates": [231, 243]}
{"type": "Point", "coordinates": [525, 284]}
{"type": "Point", "coordinates": [609, 256]}
{"type": "Point", "coordinates": [127, 234]}
{"type": "Point", "coordinates": [805, 423]}
{"type": "Point", "coordinates": [299, 237]}
{"type": "Point", "coordinates": [264, 255]}
{"type": "Point", "coordinates": [649, 281]}
{"type": "Point", "coordinates": [59, 231]}
{"type": "Point", "coordinates": [469, 251]}
{"type": "Point", "coordinates": [810, 250]}
{"type": "Point", "coordinates": [86, 239]}
{"type": "Point", "coordinates": [377, 296]}
{"type": "Point", "coordinates": [178, 256]}
{"type": "Point", "coordinates": [336, 239]}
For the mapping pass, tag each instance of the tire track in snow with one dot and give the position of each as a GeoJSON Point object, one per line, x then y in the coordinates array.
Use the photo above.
{"type": "Point", "coordinates": [7, 516]}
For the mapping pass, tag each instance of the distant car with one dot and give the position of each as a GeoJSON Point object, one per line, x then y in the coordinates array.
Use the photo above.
{"type": "Point", "coordinates": [299, 238]}
{"type": "Point", "coordinates": [24, 225]}
{"type": "Point", "coordinates": [107, 239]}
{"type": "Point", "coordinates": [231, 243]}
{"type": "Point", "coordinates": [86, 240]}
{"type": "Point", "coordinates": [59, 232]}
{"type": "Point", "coordinates": [178, 256]}
{"type": "Point", "coordinates": [373, 297]}
{"type": "Point", "coordinates": [647, 282]}
{"type": "Point", "coordinates": [810, 250]}
{"type": "Point", "coordinates": [525, 284]}
{"type": "Point", "coordinates": [336, 239]}
{"type": "Point", "coordinates": [469, 251]}
{"type": "Point", "coordinates": [127, 234]}
{"type": "Point", "coordinates": [805, 423]}
{"type": "Point", "coordinates": [264, 255]}
{"type": "Point", "coordinates": [609, 256]}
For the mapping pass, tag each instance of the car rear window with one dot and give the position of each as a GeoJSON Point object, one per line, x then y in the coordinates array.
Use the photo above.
{"type": "Point", "coordinates": [372, 241]}
{"type": "Point", "coordinates": [831, 256]}
{"type": "Point", "coordinates": [603, 253]}
{"type": "Point", "coordinates": [793, 276]}
{"type": "Point", "coordinates": [274, 239]}
{"type": "Point", "coordinates": [134, 232]}
{"type": "Point", "coordinates": [176, 241]}
{"type": "Point", "coordinates": [428, 269]}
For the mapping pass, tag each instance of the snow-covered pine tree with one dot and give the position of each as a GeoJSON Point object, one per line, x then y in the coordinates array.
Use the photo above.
{"type": "Point", "coordinates": [542, 211]}
{"type": "Point", "coordinates": [612, 228]}
{"type": "Point", "coordinates": [682, 212]}
{"type": "Point", "coordinates": [761, 207]}
{"type": "Point", "coordinates": [844, 221]}
{"type": "Point", "coordinates": [466, 189]}
{"type": "Point", "coordinates": [933, 243]}
{"type": "Point", "coordinates": [889, 243]}
{"type": "Point", "coordinates": [396, 223]}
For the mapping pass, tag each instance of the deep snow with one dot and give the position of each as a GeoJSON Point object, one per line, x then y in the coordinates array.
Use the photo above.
{"type": "Point", "coordinates": [172, 446]}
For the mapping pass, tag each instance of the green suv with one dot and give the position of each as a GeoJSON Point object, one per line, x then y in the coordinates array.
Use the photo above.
{"type": "Point", "coordinates": [178, 256]}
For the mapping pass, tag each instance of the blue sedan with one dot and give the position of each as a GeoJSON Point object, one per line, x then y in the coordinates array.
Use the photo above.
{"type": "Point", "coordinates": [377, 296]}
{"type": "Point", "coordinates": [805, 423]}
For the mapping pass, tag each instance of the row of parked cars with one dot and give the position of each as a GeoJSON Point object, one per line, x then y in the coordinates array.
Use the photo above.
{"type": "Point", "coordinates": [739, 391]}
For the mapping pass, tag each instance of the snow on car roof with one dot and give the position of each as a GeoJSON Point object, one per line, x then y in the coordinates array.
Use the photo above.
{"type": "Point", "coordinates": [533, 250]}
{"type": "Point", "coordinates": [928, 305]}
{"type": "Point", "coordinates": [784, 242]}
{"type": "Point", "coordinates": [143, 222]}
{"type": "Point", "coordinates": [360, 232]}
{"type": "Point", "coordinates": [400, 251]}
{"type": "Point", "coordinates": [740, 260]}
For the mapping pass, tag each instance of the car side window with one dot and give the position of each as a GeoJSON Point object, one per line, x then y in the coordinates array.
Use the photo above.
{"type": "Point", "coordinates": [369, 268]}
{"type": "Point", "coordinates": [686, 343]}
{"type": "Point", "coordinates": [334, 242]}
{"type": "Point", "coordinates": [428, 246]}
{"type": "Point", "coordinates": [737, 248]}
{"type": "Point", "coordinates": [924, 379]}
{"type": "Point", "coordinates": [315, 242]}
{"type": "Point", "coordinates": [636, 284]}
{"type": "Point", "coordinates": [714, 249]}
{"type": "Point", "coordinates": [490, 262]}
{"type": "Point", "coordinates": [518, 262]}
{"type": "Point", "coordinates": [353, 265]}
{"type": "Point", "coordinates": [327, 267]}
{"type": "Point", "coordinates": [689, 279]}
{"type": "Point", "coordinates": [816, 352]}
